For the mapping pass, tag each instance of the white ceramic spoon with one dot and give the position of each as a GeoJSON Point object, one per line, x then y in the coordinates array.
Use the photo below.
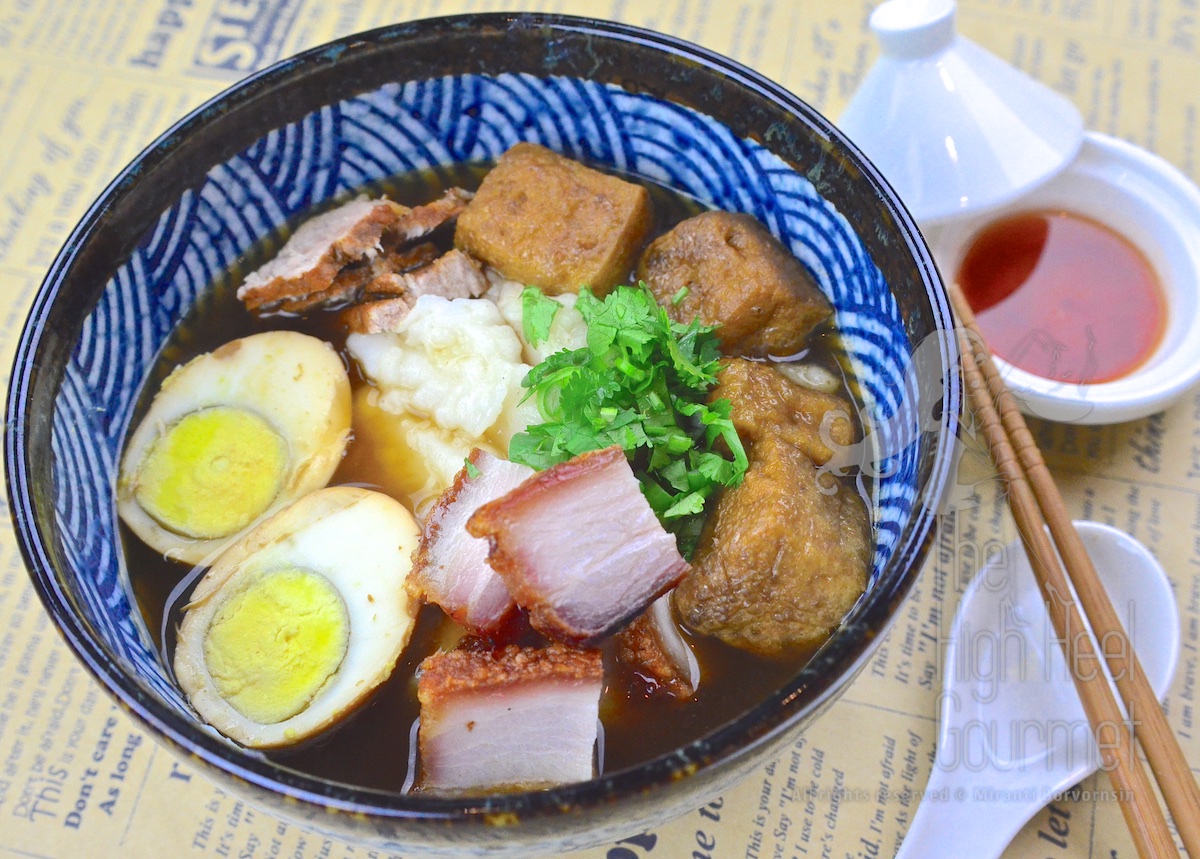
{"type": "Point", "coordinates": [1013, 733]}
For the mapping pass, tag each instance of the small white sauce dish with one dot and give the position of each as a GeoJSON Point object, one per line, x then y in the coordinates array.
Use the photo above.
{"type": "Point", "coordinates": [1157, 208]}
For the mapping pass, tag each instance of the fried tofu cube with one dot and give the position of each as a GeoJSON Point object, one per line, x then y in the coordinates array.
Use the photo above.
{"type": "Point", "coordinates": [551, 222]}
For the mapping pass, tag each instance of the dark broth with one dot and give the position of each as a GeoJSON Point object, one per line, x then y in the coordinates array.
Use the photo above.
{"type": "Point", "coordinates": [372, 748]}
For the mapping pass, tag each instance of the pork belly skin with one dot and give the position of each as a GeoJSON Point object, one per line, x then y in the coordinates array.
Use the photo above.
{"type": "Point", "coordinates": [515, 718]}
{"type": "Point", "coordinates": [653, 646]}
{"type": "Point", "coordinates": [580, 547]}
{"type": "Point", "coordinates": [450, 568]}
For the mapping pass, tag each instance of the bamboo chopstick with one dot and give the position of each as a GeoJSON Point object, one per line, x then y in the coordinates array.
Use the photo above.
{"type": "Point", "coordinates": [1029, 502]}
{"type": "Point", "coordinates": [1166, 758]}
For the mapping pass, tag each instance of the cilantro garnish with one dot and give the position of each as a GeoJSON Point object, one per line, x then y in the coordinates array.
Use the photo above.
{"type": "Point", "coordinates": [472, 470]}
{"type": "Point", "coordinates": [537, 315]}
{"type": "Point", "coordinates": [641, 383]}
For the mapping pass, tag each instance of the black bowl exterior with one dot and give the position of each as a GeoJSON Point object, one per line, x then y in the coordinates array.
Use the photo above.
{"type": "Point", "coordinates": [752, 108]}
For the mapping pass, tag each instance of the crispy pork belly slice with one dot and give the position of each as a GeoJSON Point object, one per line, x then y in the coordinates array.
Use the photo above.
{"type": "Point", "coordinates": [515, 718]}
{"type": "Point", "coordinates": [312, 258]}
{"type": "Point", "coordinates": [450, 568]}
{"type": "Point", "coordinates": [383, 276]}
{"type": "Point", "coordinates": [579, 547]}
{"type": "Point", "coordinates": [653, 646]}
{"type": "Point", "coordinates": [345, 289]}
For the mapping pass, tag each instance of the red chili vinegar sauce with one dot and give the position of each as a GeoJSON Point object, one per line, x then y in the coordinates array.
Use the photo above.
{"type": "Point", "coordinates": [1063, 297]}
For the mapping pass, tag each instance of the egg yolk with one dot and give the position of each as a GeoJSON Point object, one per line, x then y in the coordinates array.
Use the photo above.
{"type": "Point", "coordinates": [212, 473]}
{"type": "Point", "coordinates": [272, 646]}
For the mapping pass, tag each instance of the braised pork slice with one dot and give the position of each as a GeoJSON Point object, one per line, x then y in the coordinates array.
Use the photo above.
{"type": "Point", "coordinates": [452, 275]}
{"type": "Point", "coordinates": [384, 272]}
{"type": "Point", "coordinates": [420, 221]}
{"type": "Point", "coordinates": [374, 276]}
{"type": "Point", "coordinates": [733, 273]}
{"type": "Point", "coordinates": [545, 220]}
{"type": "Point", "coordinates": [318, 251]}
{"type": "Point", "coordinates": [579, 547]}
{"type": "Point", "coordinates": [779, 561]}
{"type": "Point", "coordinates": [515, 718]}
{"type": "Point", "coordinates": [376, 317]}
{"type": "Point", "coordinates": [450, 568]}
{"type": "Point", "coordinates": [653, 646]}
{"type": "Point", "coordinates": [333, 257]}
{"type": "Point", "coordinates": [766, 402]}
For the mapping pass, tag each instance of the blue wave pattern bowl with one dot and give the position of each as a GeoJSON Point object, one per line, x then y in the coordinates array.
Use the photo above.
{"type": "Point", "coordinates": [342, 118]}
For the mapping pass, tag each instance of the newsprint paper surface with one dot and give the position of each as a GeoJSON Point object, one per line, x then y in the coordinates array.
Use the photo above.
{"type": "Point", "coordinates": [86, 84]}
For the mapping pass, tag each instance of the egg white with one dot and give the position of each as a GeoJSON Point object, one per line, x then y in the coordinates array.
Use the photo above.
{"type": "Point", "coordinates": [294, 382]}
{"type": "Point", "coordinates": [362, 542]}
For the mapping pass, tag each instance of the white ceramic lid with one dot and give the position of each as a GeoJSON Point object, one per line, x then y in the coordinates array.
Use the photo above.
{"type": "Point", "coordinates": [954, 129]}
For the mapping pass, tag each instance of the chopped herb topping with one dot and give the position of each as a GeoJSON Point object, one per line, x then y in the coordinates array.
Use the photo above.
{"type": "Point", "coordinates": [472, 470]}
{"type": "Point", "coordinates": [537, 315]}
{"type": "Point", "coordinates": [641, 383]}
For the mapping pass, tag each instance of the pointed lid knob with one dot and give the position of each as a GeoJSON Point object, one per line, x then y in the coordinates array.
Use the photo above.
{"type": "Point", "coordinates": [917, 28]}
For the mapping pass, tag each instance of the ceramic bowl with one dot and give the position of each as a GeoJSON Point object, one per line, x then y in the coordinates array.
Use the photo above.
{"type": "Point", "coordinates": [1156, 207]}
{"type": "Point", "coordinates": [416, 96]}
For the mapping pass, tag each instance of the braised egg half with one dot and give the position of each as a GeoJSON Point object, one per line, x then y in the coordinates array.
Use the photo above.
{"type": "Point", "coordinates": [232, 436]}
{"type": "Point", "coordinates": [297, 622]}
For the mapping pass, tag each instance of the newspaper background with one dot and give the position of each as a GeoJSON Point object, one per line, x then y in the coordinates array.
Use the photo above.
{"type": "Point", "coordinates": [85, 84]}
